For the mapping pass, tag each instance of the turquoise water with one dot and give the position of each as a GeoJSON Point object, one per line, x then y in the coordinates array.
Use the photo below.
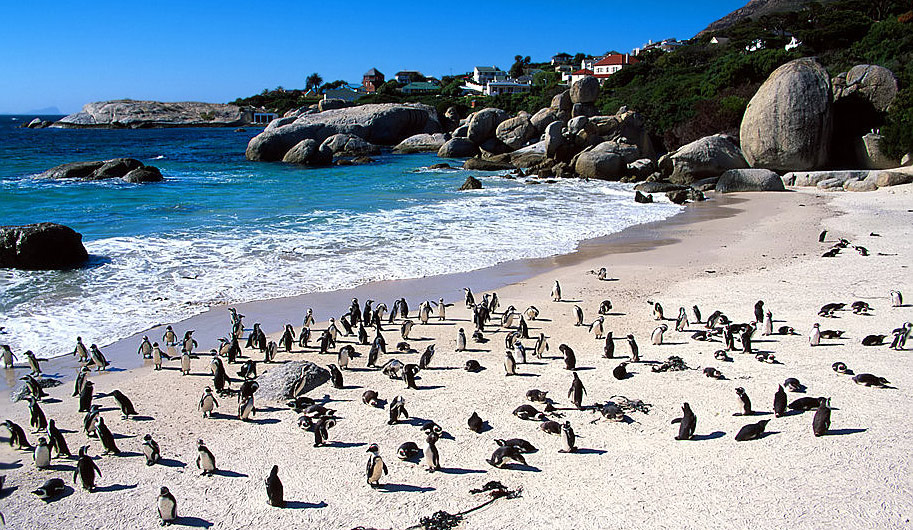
{"type": "Point", "coordinates": [221, 229]}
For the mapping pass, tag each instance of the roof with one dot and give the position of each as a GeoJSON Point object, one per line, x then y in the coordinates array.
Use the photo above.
{"type": "Point", "coordinates": [488, 69]}
{"type": "Point", "coordinates": [582, 72]}
{"type": "Point", "coordinates": [616, 59]}
{"type": "Point", "coordinates": [372, 72]}
{"type": "Point", "coordinates": [407, 72]}
{"type": "Point", "coordinates": [562, 54]}
{"type": "Point", "coordinates": [420, 86]}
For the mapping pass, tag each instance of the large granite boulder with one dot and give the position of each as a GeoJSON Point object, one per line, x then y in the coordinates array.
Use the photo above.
{"type": "Point", "coordinates": [626, 126]}
{"type": "Point", "coordinates": [874, 83]}
{"type": "Point", "coordinates": [736, 180]}
{"type": "Point", "coordinates": [471, 183]}
{"type": "Point", "coordinates": [870, 152]}
{"type": "Point", "coordinates": [585, 90]}
{"type": "Point", "coordinates": [458, 148]}
{"type": "Point", "coordinates": [309, 153]}
{"type": "Point", "coordinates": [602, 161]}
{"type": "Point", "coordinates": [42, 246]}
{"type": "Point", "coordinates": [515, 132]}
{"type": "Point", "coordinates": [420, 143]}
{"type": "Point", "coordinates": [103, 170]}
{"type": "Point", "coordinates": [379, 124]}
{"type": "Point", "coordinates": [127, 113]}
{"type": "Point", "coordinates": [541, 119]}
{"type": "Point", "coordinates": [529, 156]}
{"type": "Point", "coordinates": [143, 174]}
{"type": "Point", "coordinates": [331, 104]}
{"type": "Point", "coordinates": [708, 157]}
{"type": "Point", "coordinates": [116, 168]}
{"type": "Point", "coordinates": [291, 379]}
{"type": "Point", "coordinates": [562, 102]}
{"type": "Point", "coordinates": [349, 145]}
{"type": "Point", "coordinates": [484, 123]}
{"type": "Point", "coordinates": [481, 164]}
{"type": "Point", "coordinates": [813, 178]}
{"type": "Point", "coordinates": [892, 178]}
{"type": "Point", "coordinates": [787, 125]}
{"type": "Point", "coordinates": [556, 145]}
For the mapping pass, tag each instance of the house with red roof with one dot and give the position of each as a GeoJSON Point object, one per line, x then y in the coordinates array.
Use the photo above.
{"type": "Point", "coordinates": [573, 77]}
{"type": "Point", "coordinates": [612, 63]}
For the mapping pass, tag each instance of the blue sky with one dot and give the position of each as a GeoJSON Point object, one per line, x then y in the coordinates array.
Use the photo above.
{"type": "Point", "coordinates": [65, 54]}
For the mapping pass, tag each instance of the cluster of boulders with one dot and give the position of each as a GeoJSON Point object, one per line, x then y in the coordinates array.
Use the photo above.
{"type": "Point", "coordinates": [37, 123]}
{"type": "Point", "coordinates": [41, 246]}
{"type": "Point", "coordinates": [126, 169]}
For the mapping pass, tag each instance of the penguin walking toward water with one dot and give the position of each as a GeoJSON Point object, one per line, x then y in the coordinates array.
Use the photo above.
{"type": "Point", "coordinates": [577, 391]}
{"type": "Point", "coordinates": [33, 362]}
{"type": "Point", "coordinates": [37, 419]}
{"type": "Point", "coordinates": [376, 467]}
{"type": "Point", "coordinates": [85, 396]}
{"type": "Point", "coordinates": [151, 450]}
{"type": "Point", "coordinates": [8, 356]}
{"type": "Point", "coordinates": [106, 437]}
{"type": "Point", "coordinates": [556, 292]}
{"type": "Point", "coordinates": [206, 461]}
{"type": "Point", "coordinates": [432, 456]}
{"type": "Point", "coordinates": [208, 403]}
{"type": "Point", "coordinates": [687, 423]}
{"type": "Point", "coordinates": [98, 358]}
{"type": "Point", "coordinates": [56, 440]}
{"type": "Point", "coordinates": [86, 470]}
{"type": "Point", "coordinates": [274, 490]}
{"type": "Point", "coordinates": [167, 507]}
{"type": "Point", "coordinates": [126, 406]}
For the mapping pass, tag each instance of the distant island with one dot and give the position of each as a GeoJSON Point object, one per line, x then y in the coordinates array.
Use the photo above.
{"type": "Point", "coordinates": [131, 114]}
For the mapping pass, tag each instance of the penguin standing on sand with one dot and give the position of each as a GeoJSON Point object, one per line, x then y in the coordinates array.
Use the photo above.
{"type": "Point", "coordinates": [157, 356]}
{"type": "Point", "coordinates": [510, 365]}
{"type": "Point", "coordinates": [42, 454]}
{"type": "Point", "coordinates": [37, 419]}
{"type": "Point", "coordinates": [822, 420]}
{"type": "Point", "coordinates": [80, 380]}
{"type": "Point", "coordinates": [432, 457]}
{"type": "Point", "coordinates": [596, 327]}
{"type": "Point", "coordinates": [780, 402]}
{"type": "Point", "coordinates": [56, 440]}
{"type": "Point", "coordinates": [681, 323]}
{"type": "Point", "coordinates": [461, 340]}
{"type": "Point", "coordinates": [167, 507]}
{"type": "Point", "coordinates": [687, 423]}
{"type": "Point", "coordinates": [185, 363]}
{"type": "Point", "coordinates": [657, 336]}
{"type": "Point", "coordinates": [85, 396]}
{"type": "Point", "coordinates": [205, 459]}
{"type": "Point", "coordinates": [768, 323]}
{"type": "Point", "coordinates": [208, 403]}
{"type": "Point", "coordinates": [151, 450]}
{"type": "Point", "coordinates": [577, 391]}
{"type": "Point", "coordinates": [541, 346]}
{"type": "Point", "coordinates": [106, 437]}
{"type": "Point", "coordinates": [126, 406]}
{"type": "Point", "coordinates": [556, 292]}
{"type": "Point", "coordinates": [246, 408]}
{"type": "Point", "coordinates": [635, 351]}
{"type": "Point", "coordinates": [288, 338]}
{"type": "Point", "coordinates": [743, 402]}
{"type": "Point", "coordinates": [308, 318]}
{"type": "Point", "coordinates": [98, 358]}
{"type": "Point", "coordinates": [169, 338]}
{"type": "Point", "coordinates": [8, 356]}
{"type": "Point", "coordinates": [567, 439]}
{"type": "Point", "coordinates": [814, 338]}
{"type": "Point", "coordinates": [274, 490]}
{"type": "Point", "coordinates": [759, 311]}
{"type": "Point", "coordinates": [578, 313]}
{"type": "Point", "coordinates": [376, 467]}
{"type": "Point", "coordinates": [896, 299]}
{"type": "Point", "coordinates": [81, 353]}
{"type": "Point", "coordinates": [17, 437]}
{"type": "Point", "coordinates": [86, 469]}
{"type": "Point", "coordinates": [33, 362]}
{"type": "Point", "coordinates": [470, 300]}
{"type": "Point", "coordinates": [145, 348]}
{"type": "Point", "coordinates": [188, 344]}
{"type": "Point", "coordinates": [335, 376]}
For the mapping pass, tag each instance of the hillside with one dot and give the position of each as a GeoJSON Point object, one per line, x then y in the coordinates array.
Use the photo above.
{"type": "Point", "coordinates": [756, 9]}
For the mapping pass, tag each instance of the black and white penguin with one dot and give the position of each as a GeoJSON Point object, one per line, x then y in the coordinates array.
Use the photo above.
{"type": "Point", "coordinates": [151, 450]}
{"type": "Point", "coordinates": [33, 362]}
{"type": "Point", "coordinates": [274, 490]}
{"type": "Point", "coordinates": [169, 338]}
{"type": "Point", "coordinates": [397, 409]}
{"type": "Point", "coordinates": [106, 437]}
{"type": "Point", "coordinates": [608, 350]}
{"type": "Point", "coordinates": [81, 352]}
{"type": "Point", "coordinates": [461, 340]}
{"type": "Point", "coordinates": [687, 423]}
{"type": "Point", "coordinates": [577, 391]}
{"type": "Point", "coordinates": [288, 338]}
{"type": "Point", "coordinates": [98, 358]}
{"type": "Point", "coordinates": [335, 376]}
{"type": "Point", "coordinates": [208, 403]}
{"type": "Point", "coordinates": [504, 453]}
{"type": "Point", "coordinates": [570, 359]}
{"type": "Point", "coordinates": [17, 437]}
{"type": "Point", "coordinates": [425, 360]}
{"type": "Point", "coordinates": [56, 440]}
{"type": "Point", "coordinates": [206, 461]}
{"type": "Point", "coordinates": [145, 348]}
{"type": "Point", "coordinates": [8, 356]}
{"type": "Point", "coordinates": [408, 451]}
{"type": "Point", "coordinates": [89, 420]}
{"type": "Point", "coordinates": [126, 406]}
{"type": "Point", "coordinates": [568, 439]}
{"type": "Point", "coordinates": [657, 335]}
{"type": "Point", "coordinates": [510, 364]}
{"type": "Point", "coordinates": [37, 419]}
{"type": "Point", "coordinates": [697, 313]}
{"type": "Point", "coordinates": [51, 489]}
{"type": "Point", "coordinates": [376, 468]}
{"type": "Point", "coordinates": [635, 351]}
{"type": "Point", "coordinates": [822, 420]}
{"type": "Point", "coordinates": [744, 403]}
{"type": "Point", "coordinates": [620, 372]}
{"type": "Point", "coordinates": [167, 507]}
{"type": "Point", "coordinates": [752, 431]}
{"type": "Point", "coordinates": [475, 423]}
{"type": "Point", "coordinates": [596, 327]}
{"type": "Point", "coordinates": [870, 380]}
{"type": "Point", "coordinates": [779, 402]}
{"type": "Point", "coordinates": [86, 469]}
{"type": "Point", "coordinates": [556, 292]}
{"type": "Point", "coordinates": [42, 454]}
{"type": "Point", "coordinates": [246, 408]}
{"type": "Point", "coordinates": [86, 395]}
{"type": "Point", "coordinates": [896, 298]}
{"type": "Point", "coordinates": [578, 313]}
{"type": "Point", "coordinates": [432, 456]}
{"type": "Point", "coordinates": [759, 311]}
{"type": "Point", "coordinates": [409, 372]}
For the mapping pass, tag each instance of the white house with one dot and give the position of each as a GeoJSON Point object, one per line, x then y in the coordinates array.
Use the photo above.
{"type": "Point", "coordinates": [588, 63]}
{"type": "Point", "coordinates": [611, 64]}
{"type": "Point", "coordinates": [576, 76]}
{"type": "Point", "coordinates": [484, 74]}
{"type": "Point", "coordinates": [496, 88]}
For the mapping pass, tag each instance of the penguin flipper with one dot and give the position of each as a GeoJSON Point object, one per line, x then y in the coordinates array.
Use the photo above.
{"type": "Point", "coordinates": [385, 468]}
{"type": "Point", "coordinates": [676, 420]}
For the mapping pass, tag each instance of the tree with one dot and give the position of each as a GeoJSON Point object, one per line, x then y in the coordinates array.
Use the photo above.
{"type": "Point", "coordinates": [313, 81]}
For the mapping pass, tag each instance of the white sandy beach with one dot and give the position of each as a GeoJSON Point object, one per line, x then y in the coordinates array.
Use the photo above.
{"type": "Point", "coordinates": [626, 475]}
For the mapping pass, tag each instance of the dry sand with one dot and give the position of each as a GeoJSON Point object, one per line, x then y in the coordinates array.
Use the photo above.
{"type": "Point", "coordinates": [626, 475]}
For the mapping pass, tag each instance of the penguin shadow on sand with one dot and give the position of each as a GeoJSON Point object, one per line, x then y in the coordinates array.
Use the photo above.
{"type": "Point", "coordinates": [336, 444]}
{"type": "Point", "coordinates": [229, 474]}
{"type": "Point", "coordinates": [460, 471]}
{"type": "Point", "coordinates": [841, 432]}
{"type": "Point", "coordinates": [170, 462]}
{"type": "Point", "coordinates": [400, 488]}
{"type": "Point", "coordinates": [9, 465]}
{"type": "Point", "coordinates": [710, 436]}
{"type": "Point", "coordinates": [193, 522]}
{"type": "Point", "coordinates": [301, 505]}
{"type": "Point", "coordinates": [115, 487]}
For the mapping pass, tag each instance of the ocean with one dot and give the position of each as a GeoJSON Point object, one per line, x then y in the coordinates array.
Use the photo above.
{"type": "Point", "coordinates": [223, 230]}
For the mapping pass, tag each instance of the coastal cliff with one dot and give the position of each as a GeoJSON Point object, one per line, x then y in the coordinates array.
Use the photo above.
{"type": "Point", "coordinates": [130, 114]}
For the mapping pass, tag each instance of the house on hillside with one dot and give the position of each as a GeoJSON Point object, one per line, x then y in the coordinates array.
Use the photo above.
{"type": "Point", "coordinates": [666, 45]}
{"type": "Point", "coordinates": [588, 62]}
{"type": "Point", "coordinates": [483, 74]}
{"type": "Point", "coordinates": [346, 93]}
{"type": "Point", "coordinates": [564, 69]}
{"type": "Point", "coordinates": [561, 58]}
{"type": "Point", "coordinates": [611, 64]}
{"type": "Point", "coordinates": [372, 80]}
{"type": "Point", "coordinates": [496, 88]}
{"type": "Point", "coordinates": [576, 76]}
{"type": "Point", "coordinates": [408, 76]}
{"type": "Point", "coordinates": [419, 87]}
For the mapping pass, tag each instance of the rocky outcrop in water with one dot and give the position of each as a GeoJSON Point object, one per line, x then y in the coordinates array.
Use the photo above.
{"type": "Point", "coordinates": [130, 114]}
{"type": "Point", "coordinates": [42, 246]}
{"type": "Point", "coordinates": [127, 169]}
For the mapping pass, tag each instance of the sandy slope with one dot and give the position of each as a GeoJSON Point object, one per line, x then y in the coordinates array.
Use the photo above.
{"type": "Point", "coordinates": [627, 475]}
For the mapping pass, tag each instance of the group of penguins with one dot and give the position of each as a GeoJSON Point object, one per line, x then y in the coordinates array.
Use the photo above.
{"type": "Point", "coordinates": [318, 419]}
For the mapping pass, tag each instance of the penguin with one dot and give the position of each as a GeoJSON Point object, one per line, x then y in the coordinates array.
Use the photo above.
{"type": "Point", "coordinates": [687, 423]}
{"type": "Point", "coordinates": [37, 419]}
{"type": "Point", "coordinates": [288, 338]}
{"type": "Point", "coordinates": [425, 359]}
{"type": "Point", "coordinates": [870, 380]}
{"type": "Point", "coordinates": [697, 313]}
{"type": "Point", "coordinates": [409, 372]}
{"type": "Point", "coordinates": [321, 430]}
{"type": "Point", "coordinates": [17, 437]}
{"type": "Point", "coordinates": [657, 336]}
{"type": "Point", "coordinates": [42, 454]}
{"type": "Point", "coordinates": [814, 338]}
{"type": "Point", "coordinates": [473, 366]}
{"type": "Point", "coordinates": [8, 356]}
{"type": "Point", "coordinates": [205, 459]}
{"type": "Point", "coordinates": [899, 341]}
{"type": "Point", "coordinates": [98, 358]}
{"type": "Point", "coordinates": [532, 312]}
{"type": "Point", "coordinates": [523, 328]}
{"type": "Point", "coordinates": [274, 492]}
{"type": "Point", "coordinates": [271, 350]}
{"type": "Point", "coordinates": [51, 489]}
{"type": "Point", "coordinates": [405, 329]}
{"type": "Point", "coordinates": [308, 318]}
{"type": "Point", "coordinates": [577, 391]}
{"type": "Point", "coordinates": [335, 376]}
{"type": "Point", "coordinates": [821, 236]}
{"type": "Point", "coordinates": [746, 338]}
{"type": "Point", "coordinates": [80, 380]}
{"type": "Point", "coordinates": [304, 337]}
{"type": "Point", "coordinates": [246, 408]}
{"type": "Point", "coordinates": [510, 365]}
{"type": "Point", "coordinates": [596, 327]}
{"type": "Point", "coordinates": [744, 403]}
{"type": "Point", "coordinates": [896, 299]}
{"type": "Point", "coordinates": [362, 335]}
{"type": "Point", "coordinates": [86, 469]}
{"type": "Point", "coordinates": [860, 307]}
{"type": "Point", "coordinates": [620, 372]}
{"type": "Point", "coordinates": [461, 340]}
{"type": "Point", "coordinates": [567, 439]}
{"type": "Point", "coordinates": [507, 318]}
{"type": "Point", "coordinates": [873, 340]}
{"type": "Point", "coordinates": [188, 344]}
{"type": "Point", "coordinates": [33, 362]}
{"type": "Point", "coordinates": [780, 402]}
{"type": "Point", "coordinates": [635, 352]}
{"type": "Point", "coordinates": [570, 360]}
{"type": "Point", "coordinates": [169, 338]}
{"type": "Point", "coordinates": [768, 323]}
{"type": "Point", "coordinates": [608, 350]}
{"type": "Point", "coordinates": [89, 420]}
{"type": "Point", "coordinates": [56, 440]}
{"type": "Point", "coordinates": [151, 450]}
{"type": "Point", "coordinates": [470, 300]}
{"type": "Point", "coordinates": [81, 353]}
{"type": "Point", "coordinates": [126, 406]}
{"type": "Point", "coordinates": [503, 453]}
{"type": "Point", "coordinates": [556, 292]}
{"type": "Point", "coordinates": [541, 346]}
{"type": "Point", "coordinates": [168, 507]}
{"type": "Point", "coordinates": [424, 312]}
{"type": "Point", "coordinates": [602, 274]}
{"type": "Point", "coordinates": [333, 331]}
{"type": "Point", "coordinates": [106, 437]}
{"type": "Point", "coordinates": [528, 412]}
{"type": "Point", "coordinates": [408, 451]}
{"type": "Point", "coordinates": [185, 363]}
{"type": "Point", "coordinates": [822, 420]}
{"type": "Point", "coordinates": [682, 321]}
{"type": "Point", "coordinates": [397, 409]}
{"type": "Point", "coordinates": [157, 355]}
{"type": "Point", "coordinates": [793, 385]}
{"type": "Point", "coordinates": [752, 431]}
{"type": "Point", "coordinates": [208, 403]}
{"type": "Point", "coordinates": [85, 396]}
{"type": "Point", "coordinates": [657, 311]}
{"type": "Point", "coordinates": [247, 390]}
{"type": "Point", "coordinates": [376, 467]}
{"type": "Point", "coordinates": [145, 348]}
{"type": "Point", "coordinates": [578, 313]}
{"type": "Point", "coordinates": [366, 313]}
{"type": "Point", "coordinates": [475, 423]}
{"type": "Point", "coordinates": [759, 311]}
{"type": "Point", "coordinates": [432, 456]}
{"type": "Point", "coordinates": [605, 307]}
{"type": "Point", "coordinates": [786, 330]}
